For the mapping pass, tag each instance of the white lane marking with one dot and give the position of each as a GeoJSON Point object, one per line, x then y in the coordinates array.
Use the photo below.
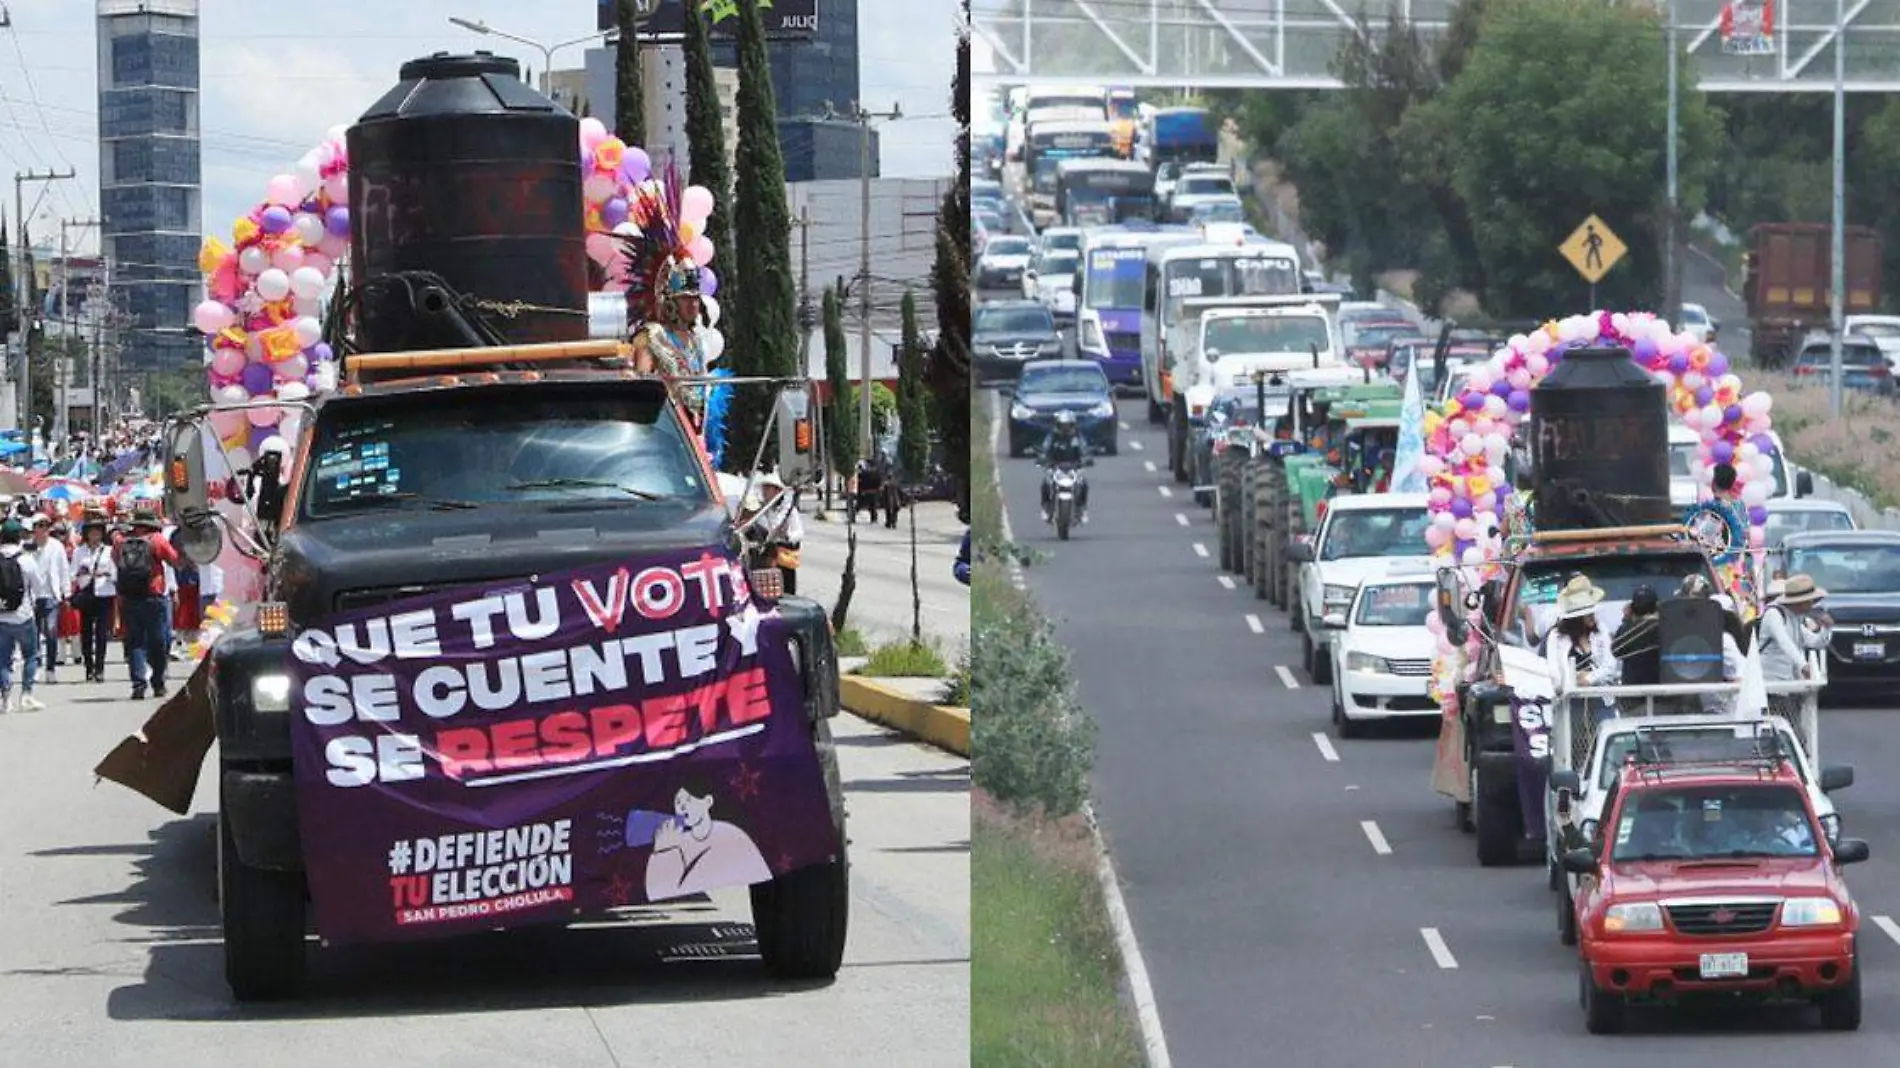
{"type": "Point", "coordinates": [1440, 952]}
{"type": "Point", "coordinates": [1376, 837]}
{"type": "Point", "coordinates": [1149, 466]}
{"type": "Point", "coordinates": [1226, 581]}
{"type": "Point", "coordinates": [1016, 578]}
{"type": "Point", "coordinates": [1181, 518]}
{"type": "Point", "coordinates": [1885, 923]}
{"type": "Point", "coordinates": [1286, 676]}
{"type": "Point", "coordinates": [1165, 491]}
{"type": "Point", "coordinates": [1124, 426]}
{"type": "Point", "coordinates": [1135, 445]}
{"type": "Point", "coordinates": [1147, 1016]}
{"type": "Point", "coordinates": [1200, 550]}
{"type": "Point", "coordinates": [1254, 624]}
{"type": "Point", "coordinates": [1326, 748]}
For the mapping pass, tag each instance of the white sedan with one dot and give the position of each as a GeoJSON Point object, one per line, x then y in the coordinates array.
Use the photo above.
{"type": "Point", "coordinates": [1382, 658]}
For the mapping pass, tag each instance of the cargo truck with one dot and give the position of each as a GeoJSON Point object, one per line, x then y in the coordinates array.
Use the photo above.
{"type": "Point", "coordinates": [1787, 281]}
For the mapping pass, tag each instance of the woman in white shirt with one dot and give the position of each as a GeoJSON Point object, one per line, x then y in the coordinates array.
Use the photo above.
{"type": "Point", "coordinates": [1791, 629]}
{"type": "Point", "coordinates": [95, 586]}
{"type": "Point", "coordinates": [1579, 652]}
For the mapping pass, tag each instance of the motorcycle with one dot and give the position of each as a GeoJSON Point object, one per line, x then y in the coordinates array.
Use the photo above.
{"type": "Point", "coordinates": [1066, 487]}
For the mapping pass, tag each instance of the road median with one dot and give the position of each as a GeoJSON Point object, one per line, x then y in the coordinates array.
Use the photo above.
{"type": "Point", "coordinates": [902, 704]}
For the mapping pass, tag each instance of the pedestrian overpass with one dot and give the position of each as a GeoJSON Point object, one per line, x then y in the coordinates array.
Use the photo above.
{"type": "Point", "coordinates": [1759, 46]}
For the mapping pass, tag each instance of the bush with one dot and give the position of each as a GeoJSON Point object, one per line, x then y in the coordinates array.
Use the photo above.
{"type": "Point", "coordinates": [956, 690]}
{"type": "Point", "coordinates": [850, 643]}
{"type": "Point", "coordinates": [905, 660]}
{"type": "Point", "coordinates": [1853, 450]}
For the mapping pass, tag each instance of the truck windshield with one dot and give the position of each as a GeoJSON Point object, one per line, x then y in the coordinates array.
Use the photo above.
{"type": "Point", "coordinates": [1265, 333]}
{"type": "Point", "coordinates": [1849, 568]}
{"type": "Point", "coordinates": [1356, 533]}
{"type": "Point", "coordinates": [558, 443]}
{"type": "Point", "coordinates": [1714, 822]}
{"type": "Point", "coordinates": [1687, 745]}
{"type": "Point", "coordinates": [1617, 576]}
{"type": "Point", "coordinates": [1405, 605]}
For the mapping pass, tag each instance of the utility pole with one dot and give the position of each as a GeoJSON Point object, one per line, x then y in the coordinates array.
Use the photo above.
{"type": "Point", "coordinates": [807, 319]}
{"type": "Point", "coordinates": [1837, 299]}
{"type": "Point", "coordinates": [863, 118]}
{"type": "Point", "coordinates": [23, 407]}
{"type": "Point", "coordinates": [62, 373]}
{"type": "Point", "coordinates": [1672, 253]}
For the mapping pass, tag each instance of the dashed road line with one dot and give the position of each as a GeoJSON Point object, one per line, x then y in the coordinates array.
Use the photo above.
{"type": "Point", "coordinates": [1226, 581]}
{"type": "Point", "coordinates": [1122, 425]}
{"type": "Point", "coordinates": [1886, 924]}
{"type": "Point", "coordinates": [1286, 676]}
{"type": "Point", "coordinates": [1200, 550]}
{"type": "Point", "coordinates": [1254, 624]}
{"type": "Point", "coordinates": [1440, 951]}
{"type": "Point", "coordinates": [1181, 518]}
{"type": "Point", "coordinates": [1376, 837]}
{"type": "Point", "coordinates": [1166, 491]}
{"type": "Point", "coordinates": [1135, 445]}
{"type": "Point", "coordinates": [1149, 466]}
{"type": "Point", "coordinates": [1326, 747]}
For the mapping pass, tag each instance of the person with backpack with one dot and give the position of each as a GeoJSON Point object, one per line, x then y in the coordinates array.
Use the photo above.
{"type": "Point", "coordinates": [18, 626]}
{"type": "Point", "coordinates": [141, 558]}
{"type": "Point", "coordinates": [95, 590]}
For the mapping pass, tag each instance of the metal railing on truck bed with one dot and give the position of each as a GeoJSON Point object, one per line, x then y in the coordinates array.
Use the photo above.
{"type": "Point", "coordinates": [1576, 713]}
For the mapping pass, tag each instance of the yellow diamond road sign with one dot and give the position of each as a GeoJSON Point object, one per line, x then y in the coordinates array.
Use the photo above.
{"type": "Point", "coordinates": [1593, 249]}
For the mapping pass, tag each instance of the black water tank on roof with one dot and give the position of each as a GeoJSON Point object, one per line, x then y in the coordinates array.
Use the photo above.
{"type": "Point", "coordinates": [463, 170]}
{"type": "Point", "coordinates": [1600, 444]}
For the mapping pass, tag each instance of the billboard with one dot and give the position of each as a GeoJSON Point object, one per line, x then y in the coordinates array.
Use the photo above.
{"type": "Point", "coordinates": [783, 18]}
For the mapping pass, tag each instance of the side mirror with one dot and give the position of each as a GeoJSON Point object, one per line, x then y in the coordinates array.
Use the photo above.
{"type": "Point", "coordinates": [267, 488]}
{"type": "Point", "coordinates": [1451, 606]}
{"type": "Point", "coordinates": [1851, 851]}
{"type": "Point", "coordinates": [1580, 861]}
{"type": "Point", "coordinates": [1300, 552]}
{"type": "Point", "coordinates": [200, 538]}
{"type": "Point", "coordinates": [1804, 484]}
{"type": "Point", "coordinates": [1836, 777]}
{"type": "Point", "coordinates": [186, 490]}
{"type": "Point", "coordinates": [1567, 781]}
{"type": "Point", "coordinates": [1334, 619]}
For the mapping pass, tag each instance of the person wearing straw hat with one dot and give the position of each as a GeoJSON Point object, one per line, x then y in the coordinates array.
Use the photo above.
{"type": "Point", "coordinates": [1792, 627]}
{"type": "Point", "coordinates": [781, 528]}
{"type": "Point", "coordinates": [1579, 652]}
{"type": "Point", "coordinates": [95, 589]}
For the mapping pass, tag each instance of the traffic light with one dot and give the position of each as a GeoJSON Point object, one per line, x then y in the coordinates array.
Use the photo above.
{"type": "Point", "coordinates": [802, 435]}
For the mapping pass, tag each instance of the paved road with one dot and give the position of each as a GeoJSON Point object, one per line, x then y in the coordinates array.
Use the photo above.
{"type": "Point", "coordinates": [110, 951]}
{"type": "Point", "coordinates": [1272, 930]}
{"type": "Point", "coordinates": [1704, 282]}
{"type": "Point", "coordinates": [881, 607]}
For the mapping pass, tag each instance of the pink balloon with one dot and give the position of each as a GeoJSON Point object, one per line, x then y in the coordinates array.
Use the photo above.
{"type": "Point", "coordinates": [212, 316]}
{"type": "Point", "coordinates": [701, 250]}
{"type": "Point", "coordinates": [601, 248]}
{"type": "Point", "coordinates": [227, 362]}
{"type": "Point", "coordinates": [696, 203]}
{"type": "Point", "coordinates": [227, 423]}
{"type": "Point", "coordinates": [282, 190]}
{"type": "Point", "coordinates": [264, 416]}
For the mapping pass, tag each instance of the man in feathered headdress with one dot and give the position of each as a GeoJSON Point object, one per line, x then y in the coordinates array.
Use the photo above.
{"type": "Point", "coordinates": [665, 341]}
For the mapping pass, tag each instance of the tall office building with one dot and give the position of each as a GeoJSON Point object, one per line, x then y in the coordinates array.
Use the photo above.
{"type": "Point", "coordinates": [807, 75]}
{"type": "Point", "coordinates": [151, 174]}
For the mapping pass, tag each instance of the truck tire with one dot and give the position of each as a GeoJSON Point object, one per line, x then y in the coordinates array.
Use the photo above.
{"type": "Point", "coordinates": [1499, 823]}
{"type": "Point", "coordinates": [263, 913]}
{"type": "Point", "coordinates": [1602, 1010]}
{"type": "Point", "coordinates": [1840, 1007]}
{"type": "Point", "coordinates": [1226, 501]}
{"type": "Point", "coordinates": [1157, 415]}
{"type": "Point", "coordinates": [1566, 916]}
{"type": "Point", "coordinates": [801, 917]}
{"type": "Point", "coordinates": [1243, 508]}
{"type": "Point", "coordinates": [1178, 443]}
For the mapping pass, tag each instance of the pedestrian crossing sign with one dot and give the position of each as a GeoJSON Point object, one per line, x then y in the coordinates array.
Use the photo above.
{"type": "Point", "coordinates": [1593, 248]}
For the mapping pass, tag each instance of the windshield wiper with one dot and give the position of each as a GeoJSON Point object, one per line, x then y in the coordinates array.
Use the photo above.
{"type": "Point", "coordinates": [583, 483]}
{"type": "Point", "coordinates": [439, 503]}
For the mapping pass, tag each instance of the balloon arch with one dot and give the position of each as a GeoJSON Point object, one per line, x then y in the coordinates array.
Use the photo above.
{"type": "Point", "coordinates": [1469, 437]}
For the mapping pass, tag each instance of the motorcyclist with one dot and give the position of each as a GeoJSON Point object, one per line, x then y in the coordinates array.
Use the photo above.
{"type": "Point", "coordinates": [1063, 447]}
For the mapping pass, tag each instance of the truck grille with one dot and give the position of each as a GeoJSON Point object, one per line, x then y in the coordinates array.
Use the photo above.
{"type": "Point", "coordinates": [1120, 342]}
{"type": "Point", "coordinates": [1750, 918]}
{"type": "Point", "coordinates": [1411, 668]}
{"type": "Point", "coordinates": [352, 600]}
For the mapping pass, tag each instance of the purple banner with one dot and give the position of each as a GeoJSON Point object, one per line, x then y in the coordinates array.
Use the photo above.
{"type": "Point", "coordinates": [493, 756]}
{"type": "Point", "coordinates": [1530, 735]}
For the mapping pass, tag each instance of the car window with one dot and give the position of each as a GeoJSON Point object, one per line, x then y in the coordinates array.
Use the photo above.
{"type": "Point", "coordinates": [1686, 745]}
{"type": "Point", "coordinates": [1357, 533]}
{"type": "Point", "coordinates": [1016, 320]}
{"type": "Point", "coordinates": [1783, 523]}
{"type": "Point", "coordinates": [1063, 380]}
{"type": "Point", "coordinates": [1058, 261]}
{"type": "Point", "coordinates": [1877, 329]}
{"type": "Point", "coordinates": [1008, 246]}
{"type": "Point", "coordinates": [1851, 356]}
{"type": "Point", "coordinates": [1849, 568]}
{"type": "Point", "coordinates": [1711, 822]}
{"type": "Point", "coordinates": [1397, 605]}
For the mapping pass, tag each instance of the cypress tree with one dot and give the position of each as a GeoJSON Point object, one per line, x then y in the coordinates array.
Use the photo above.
{"type": "Point", "coordinates": [913, 403]}
{"type": "Point", "coordinates": [9, 319]}
{"type": "Point", "coordinates": [764, 334]}
{"type": "Point", "coordinates": [950, 277]}
{"type": "Point", "coordinates": [841, 415]}
{"type": "Point", "coordinates": [706, 131]}
{"type": "Point", "coordinates": [630, 109]}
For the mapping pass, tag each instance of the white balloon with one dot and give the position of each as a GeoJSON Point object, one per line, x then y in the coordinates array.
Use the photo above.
{"type": "Point", "coordinates": [312, 307]}
{"type": "Point", "coordinates": [253, 260]}
{"type": "Point", "coordinates": [308, 177]}
{"type": "Point", "coordinates": [273, 285]}
{"type": "Point", "coordinates": [308, 330]}
{"type": "Point", "coordinates": [307, 283]}
{"type": "Point", "coordinates": [292, 391]}
{"type": "Point", "coordinates": [233, 394]}
{"type": "Point", "coordinates": [309, 229]}
{"type": "Point", "coordinates": [711, 304]}
{"type": "Point", "coordinates": [275, 443]}
{"type": "Point", "coordinates": [713, 342]}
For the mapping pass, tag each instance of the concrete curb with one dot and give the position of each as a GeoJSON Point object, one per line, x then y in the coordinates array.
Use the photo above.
{"type": "Point", "coordinates": [941, 725]}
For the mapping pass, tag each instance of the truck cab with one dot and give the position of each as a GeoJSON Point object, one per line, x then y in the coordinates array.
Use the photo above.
{"type": "Point", "coordinates": [1222, 342]}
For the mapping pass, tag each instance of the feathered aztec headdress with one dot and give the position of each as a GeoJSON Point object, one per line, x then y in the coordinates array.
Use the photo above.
{"type": "Point", "coordinates": [658, 266]}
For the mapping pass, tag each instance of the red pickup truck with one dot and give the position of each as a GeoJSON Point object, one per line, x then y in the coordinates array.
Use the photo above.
{"type": "Point", "coordinates": [1715, 879]}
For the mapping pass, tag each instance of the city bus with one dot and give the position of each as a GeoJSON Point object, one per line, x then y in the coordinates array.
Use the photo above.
{"type": "Point", "coordinates": [1048, 143]}
{"type": "Point", "coordinates": [1224, 264]}
{"type": "Point", "coordinates": [1108, 293]}
{"type": "Point", "coordinates": [1098, 192]}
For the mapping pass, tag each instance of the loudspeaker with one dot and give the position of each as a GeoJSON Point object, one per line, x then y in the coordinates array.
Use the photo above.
{"type": "Point", "coordinates": [1691, 633]}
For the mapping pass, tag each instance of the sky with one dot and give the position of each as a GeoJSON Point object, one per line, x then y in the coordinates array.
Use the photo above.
{"type": "Point", "coordinates": [276, 76]}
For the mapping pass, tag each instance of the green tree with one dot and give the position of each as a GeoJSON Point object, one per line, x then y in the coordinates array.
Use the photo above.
{"type": "Point", "coordinates": [950, 285]}
{"type": "Point", "coordinates": [913, 408]}
{"type": "Point", "coordinates": [841, 416]}
{"type": "Point", "coordinates": [706, 131]}
{"type": "Point", "coordinates": [630, 107]}
{"type": "Point", "coordinates": [764, 335]}
{"type": "Point", "coordinates": [39, 395]}
{"type": "Point", "coordinates": [9, 319]}
{"type": "Point", "coordinates": [1544, 125]}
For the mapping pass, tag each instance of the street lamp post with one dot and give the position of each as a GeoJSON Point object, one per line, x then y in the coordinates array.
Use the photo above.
{"type": "Point", "coordinates": [547, 51]}
{"type": "Point", "coordinates": [863, 117]}
{"type": "Point", "coordinates": [1672, 253]}
{"type": "Point", "coordinates": [1837, 299]}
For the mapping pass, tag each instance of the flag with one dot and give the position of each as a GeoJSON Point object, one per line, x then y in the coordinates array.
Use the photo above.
{"type": "Point", "coordinates": [1406, 477]}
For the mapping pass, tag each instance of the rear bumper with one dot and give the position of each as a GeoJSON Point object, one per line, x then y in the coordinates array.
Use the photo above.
{"type": "Point", "coordinates": [1793, 966]}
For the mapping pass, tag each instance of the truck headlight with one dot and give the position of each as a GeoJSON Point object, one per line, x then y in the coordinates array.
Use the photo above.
{"type": "Point", "coordinates": [1633, 918]}
{"type": "Point", "coordinates": [1104, 410]}
{"type": "Point", "coordinates": [1810, 912]}
{"type": "Point", "coordinates": [1337, 594]}
{"type": "Point", "coordinates": [270, 693]}
{"type": "Point", "coordinates": [1091, 336]}
{"type": "Point", "coordinates": [1020, 411]}
{"type": "Point", "coordinates": [1376, 665]}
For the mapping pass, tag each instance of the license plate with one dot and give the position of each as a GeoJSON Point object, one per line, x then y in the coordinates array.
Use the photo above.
{"type": "Point", "coordinates": [1869, 650]}
{"type": "Point", "coordinates": [1724, 965]}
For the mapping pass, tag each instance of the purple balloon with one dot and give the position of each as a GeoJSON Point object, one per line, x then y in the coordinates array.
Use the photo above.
{"type": "Point", "coordinates": [1645, 352]}
{"type": "Point", "coordinates": [1718, 365]}
{"type": "Point", "coordinates": [1722, 452]}
{"type": "Point", "coordinates": [1502, 387]}
{"type": "Point", "coordinates": [336, 221]}
{"type": "Point", "coordinates": [1704, 395]}
{"type": "Point", "coordinates": [276, 219]}
{"type": "Point", "coordinates": [1458, 546]}
{"type": "Point", "coordinates": [257, 377]}
{"type": "Point", "coordinates": [708, 281]}
{"type": "Point", "coordinates": [1732, 414]}
{"type": "Point", "coordinates": [1519, 400]}
{"type": "Point", "coordinates": [321, 351]}
{"type": "Point", "coordinates": [310, 381]}
{"type": "Point", "coordinates": [1461, 507]}
{"type": "Point", "coordinates": [1472, 399]}
{"type": "Point", "coordinates": [1758, 515]}
{"type": "Point", "coordinates": [636, 166]}
{"type": "Point", "coordinates": [1679, 363]}
{"type": "Point", "coordinates": [614, 212]}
